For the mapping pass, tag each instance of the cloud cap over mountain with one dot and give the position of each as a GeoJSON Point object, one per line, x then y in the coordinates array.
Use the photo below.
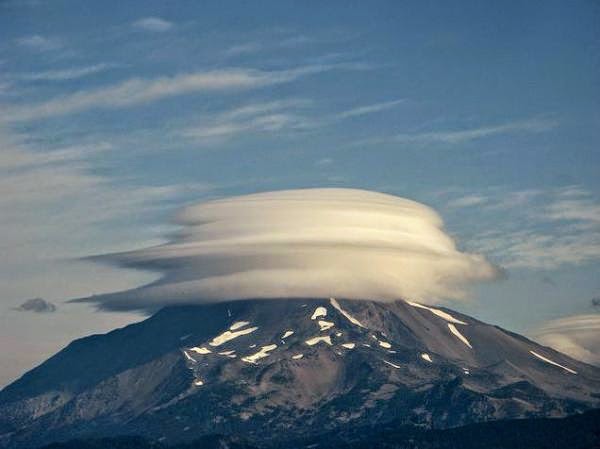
{"type": "Point", "coordinates": [348, 243]}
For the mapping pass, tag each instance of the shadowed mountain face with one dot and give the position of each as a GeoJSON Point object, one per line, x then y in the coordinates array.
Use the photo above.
{"type": "Point", "coordinates": [275, 370]}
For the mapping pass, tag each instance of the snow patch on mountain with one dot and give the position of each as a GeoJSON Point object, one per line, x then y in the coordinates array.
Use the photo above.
{"type": "Point", "coordinates": [391, 364]}
{"type": "Point", "coordinates": [202, 350]}
{"type": "Point", "coordinates": [239, 324]}
{"type": "Point", "coordinates": [319, 312]}
{"type": "Point", "coordinates": [444, 315]}
{"type": "Point", "coordinates": [336, 305]}
{"type": "Point", "coordinates": [229, 335]}
{"type": "Point", "coordinates": [313, 341]}
{"type": "Point", "coordinates": [264, 352]}
{"type": "Point", "coordinates": [460, 336]}
{"type": "Point", "coordinates": [189, 357]}
{"type": "Point", "coordinates": [325, 325]}
{"type": "Point", "coordinates": [552, 362]}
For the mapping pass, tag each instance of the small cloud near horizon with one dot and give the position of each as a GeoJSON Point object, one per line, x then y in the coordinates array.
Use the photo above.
{"type": "Point", "coordinates": [37, 305]}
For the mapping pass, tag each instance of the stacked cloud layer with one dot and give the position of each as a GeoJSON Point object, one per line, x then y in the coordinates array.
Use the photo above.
{"type": "Point", "coordinates": [344, 243]}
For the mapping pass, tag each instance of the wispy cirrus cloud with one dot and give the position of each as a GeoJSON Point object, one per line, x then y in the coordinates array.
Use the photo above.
{"type": "Point", "coordinates": [274, 42]}
{"type": "Point", "coordinates": [539, 250]}
{"type": "Point", "coordinates": [67, 74]}
{"type": "Point", "coordinates": [275, 116]}
{"type": "Point", "coordinates": [492, 201]}
{"type": "Point", "coordinates": [534, 125]}
{"type": "Point", "coordinates": [153, 24]}
{"type": "Point", "coordinates": [35, 185]}
{"type": "Point", "coordinates": [137, 91]}
{"type": "Point", "coordinates": [577, 336]}
{"type": "Point", "coordinates": [14, 157]}
{"type": "Point", "coordinates": [536, 229]}
{"type": "Point", "coordinates": [369, 109]}
{"type": "Point", "coordinates": [266, 117]}
{"type": "Point", "coordinates": [324, 162]}
{"type": "Point", "coordinates": [244, 49]}
{"type": "Point", "coordinates": [468, 201]}
{"type": "Point", "coordinates": [40, 43]}
{"type": "Point", "coordinates": [583, 210]}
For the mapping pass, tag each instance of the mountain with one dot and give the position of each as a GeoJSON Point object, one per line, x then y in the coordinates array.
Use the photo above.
{"type": "Point", "coordinates": [275, 371]}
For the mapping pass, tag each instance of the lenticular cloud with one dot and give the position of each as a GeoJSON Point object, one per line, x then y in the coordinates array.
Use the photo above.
{"type": "Point", "coordinates": [343, 243]}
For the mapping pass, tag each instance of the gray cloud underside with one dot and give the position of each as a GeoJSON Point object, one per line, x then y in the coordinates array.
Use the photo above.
{"type": "Point", "coordinates": [302, 243]}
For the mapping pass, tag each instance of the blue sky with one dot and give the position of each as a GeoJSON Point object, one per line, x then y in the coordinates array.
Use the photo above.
{"type": "Point", "coordinates": [114, 115]}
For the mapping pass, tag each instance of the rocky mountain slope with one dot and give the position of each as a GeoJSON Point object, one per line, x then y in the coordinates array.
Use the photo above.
{"type": "Point", "coordinates": [275, 370]}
